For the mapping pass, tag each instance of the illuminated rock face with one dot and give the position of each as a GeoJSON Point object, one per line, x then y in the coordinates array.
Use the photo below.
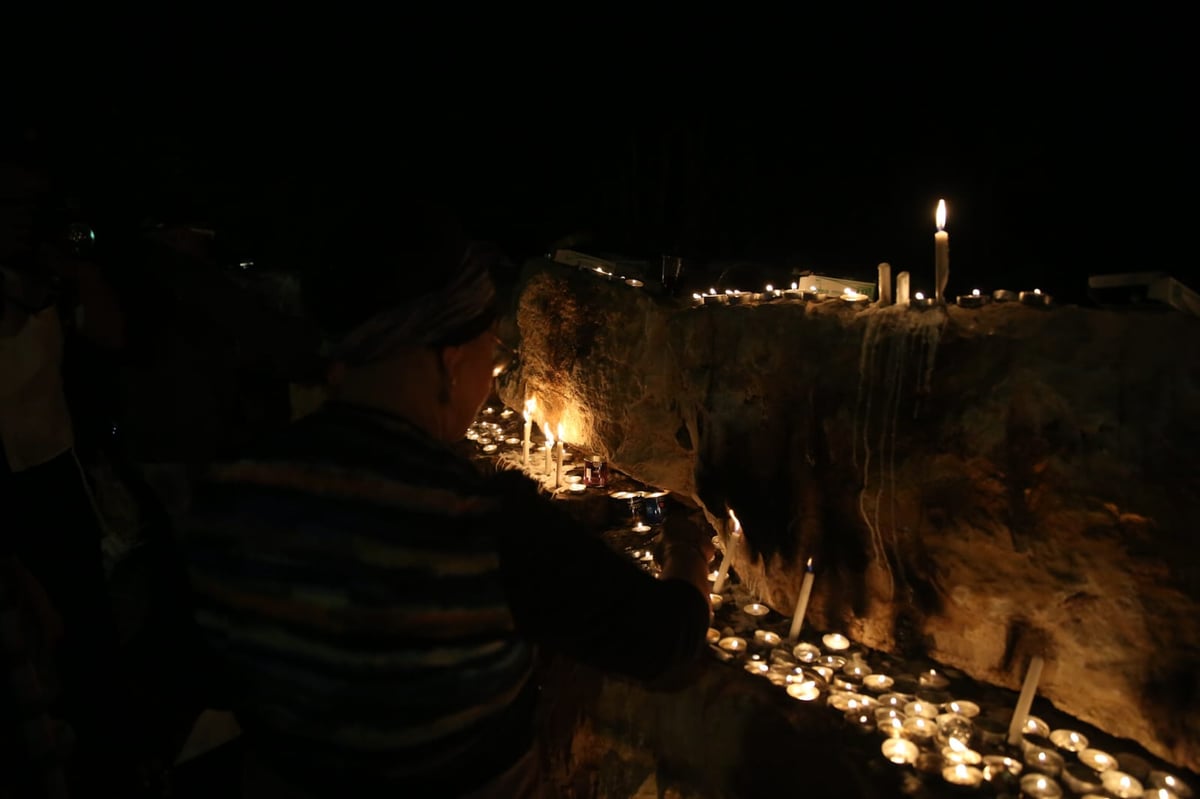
{"type": "Point", "coordinates": [973, 485]}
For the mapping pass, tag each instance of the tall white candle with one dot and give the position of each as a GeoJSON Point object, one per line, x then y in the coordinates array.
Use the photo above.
{"type": "Point", "coordinates": [1025, 700]}
{"type": "Point", "coordinates": [530, 407]}
{"type": "Point", "coordinates": [941, 252]}
{"type": "Point", "coordinates": [558, 467]}
{"type": "Point", "coordinates": [902, 288]}
{"type": "Point", "coordinates": [802, 603]}
{"type": "Point", "coordinates": [549, 445]}
{"type": "Point", "coordinates": [723, 572]}
{"type": "Point", "coordinates": [885, 284]}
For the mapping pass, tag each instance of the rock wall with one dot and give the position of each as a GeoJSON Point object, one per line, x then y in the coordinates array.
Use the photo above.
{"type": "Point", "coordinates": [974, 486]}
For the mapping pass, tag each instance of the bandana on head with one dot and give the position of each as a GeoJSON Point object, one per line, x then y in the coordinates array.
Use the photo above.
{"type": "Point", "coordinates": [423, 320]}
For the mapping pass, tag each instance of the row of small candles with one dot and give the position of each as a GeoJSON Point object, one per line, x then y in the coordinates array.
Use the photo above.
{"type": "Point", "coordinates": [976, 299]}
{"type": "Point", "coordinates": [929, 729]}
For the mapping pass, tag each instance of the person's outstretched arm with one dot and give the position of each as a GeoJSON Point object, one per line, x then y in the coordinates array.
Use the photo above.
{"type": "Point", "coordinates": [573, 594]}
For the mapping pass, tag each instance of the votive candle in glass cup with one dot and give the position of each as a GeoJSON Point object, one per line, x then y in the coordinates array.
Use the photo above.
{"type": "Point", "coordinates": [806, 653]}
{"type": "Point", "coordinates": [962, 774]}
{"type": "Point", "coordinates": [835, 642]}
{"type": "Point", "coordinates": [1039, 786]}
{"type": "Point", "coordinates": [1081, 779]}
{"type": "Point", "coordinates": [877, 682]}
{"type": "Point", "coordinates": [1120, 784]}
{"type": "Point", "coordinates": [900, 751]}
{"type": "Point", "coordinates": [1100, 761]}
{"type": "Point", "coordinates": [1069, 740]}
{"type": "Point", "coordinates": [962, 707]}
{"type": "Point", "coordinates": [1044, 761]}
{"type": "Point", "coordinates": [766, 638]}
{"type": "Point", "coordinates": [1163, 779]}
{"type": "Point", "coordinates": [804, 691]}
{"type": "Point", "coordinates": [923, 709]}
{"type": "Point", "coordinates": [919, 728]}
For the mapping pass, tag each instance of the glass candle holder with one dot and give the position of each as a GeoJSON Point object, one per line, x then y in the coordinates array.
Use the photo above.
{"type": "Point", "coordinates": [1039, 786]}
{"type": "Point", "coordinates": [1044, 761]}
{"type": "Point", "coordinates": [918, 728]}
{"type": "Point", "coordinates": [877, 682]}
{"type": "Point", "coordinates": [766, 638]}
{"type": "Point", "coordinates": [962, 707]}
{"type": "Point", "coordinates": [1120, 784]}
{"type": "Point", "coordinates": [732, 644]}
{"type": "Point", "coordinates": [961, 774]}
{"type": "Point", "coordinates": [1163, 779]}
{"type": "Point", "coordinates": [1095, 759]}
{"type": "Point", "coordinates": [806, 653]}
{"type": "Point", "coordinates": [900, 750]}
{"type": "Point", "coordinates": [804, 691]}
{"type": "Point", "coordinates": [923, 709]}
{"type": "Point", "coordinates": [835, 642]}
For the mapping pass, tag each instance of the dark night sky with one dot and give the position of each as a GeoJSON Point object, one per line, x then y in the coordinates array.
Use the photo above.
{"type": "Point", "coordinates": [1053, 165]}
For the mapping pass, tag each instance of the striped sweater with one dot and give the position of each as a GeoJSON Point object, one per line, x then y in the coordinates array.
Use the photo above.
{"type": "Point", "coordinates": [372, 619]}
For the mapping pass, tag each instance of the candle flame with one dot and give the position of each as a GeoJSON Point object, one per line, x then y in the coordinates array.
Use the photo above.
{"type": "Point", "coordinates": [813, 287]}
{"type": "Point", "coordinates": [919, 296]}
{"type": "Point", "coordinates": [974, 292]}
{"type": "Point", "coordinates": [770, 288]}
{"type": "Point", "coordinates": [960, 771]}
{"type": "Point", "coordinates": [1037, 291]}
{"type": "Point", "coordinates": [548, 434]}
{"type": "Point", "coordinates": [696, 296]}
{"type": "Point", "coordinates": [941, 214]}
{"type": "Point", "coordinates": [737, 525]}
{"type": "Point", "coordinates": [809, 564]}
{"type": "Point", "coordinates": [794, 286]}
{"type": "Point", "coordinates": [957, 745]}
{"type": "Point", "coordinates": [531, 406]}
{"type": "Point", "coordinates": [560, 433]}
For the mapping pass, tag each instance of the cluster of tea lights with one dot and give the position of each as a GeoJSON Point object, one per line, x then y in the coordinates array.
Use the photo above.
{"type": "Point", "coordinates": [930, 730]}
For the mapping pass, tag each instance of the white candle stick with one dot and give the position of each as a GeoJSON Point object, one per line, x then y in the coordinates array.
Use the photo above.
{"type": "Point", "coordinates": [802, 603]}
{"type": "Point", "coordinates": [549, 445]}
{"type": "Point", "coordinates": [941, 252]}
{"type": "Point", "coordinates": [723, 572]}
{"type": "Point", "coordinates": [1025, 700]}
{"type": "Point", "coordinates": [885, 284]}
{"type": "Point", "coordinates": [558, 468]}
{"type": "Point", "coordinates": [530, 407]}
{"type": "Point", "coordinates": [902, 288]}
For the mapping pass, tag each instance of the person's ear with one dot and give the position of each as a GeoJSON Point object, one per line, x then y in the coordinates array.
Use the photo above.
{"type": "Point", "coordinates": [450, 357]}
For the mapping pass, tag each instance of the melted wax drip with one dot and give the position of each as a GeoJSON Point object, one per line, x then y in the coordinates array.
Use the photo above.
{"type": "Point", "coordinates": [891, 335]}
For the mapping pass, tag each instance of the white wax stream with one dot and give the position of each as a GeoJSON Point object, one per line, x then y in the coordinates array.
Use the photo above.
{"type": "Point", "coordinates": [1025, 700]}
{"type": "Point", "coordinates": [801, 603]}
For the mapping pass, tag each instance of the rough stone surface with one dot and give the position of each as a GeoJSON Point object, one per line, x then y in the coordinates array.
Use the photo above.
{"type": "Point", "coordinates": [974, 486]}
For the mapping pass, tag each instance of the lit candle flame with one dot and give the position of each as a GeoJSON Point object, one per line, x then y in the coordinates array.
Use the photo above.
{"type": "Point", "coordinates": [737, 526]}
{"type": "Point", "coordinates": [957, 745]}
{"type": "Point", "coordinates": [941, 214]}
{"type": "Point", "coordinates": [919, 296]}
{"type": "Point", "coordinates": [696, 296]}
{"type": "Point", "coordinates": [530, 407]}
{"type": "Point", "coordinates": [548, 434]}
{"type": "Point", "coordinates": [1037, 291]}
{"type": "Point", "coordinates": [794, 286]}
{"type": "Point", "coordinates": [770, 288]}
{"type": "Point", "coordinates": [560, 432]}
{"type": "Point", "coordinates": [712, 291]}
{"type": "Point", "coordinates": [974, 292]}
{"type": "Point", "coordinates": [813, 287]}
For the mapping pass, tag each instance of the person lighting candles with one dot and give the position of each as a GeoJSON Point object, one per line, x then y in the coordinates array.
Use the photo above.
{"type": "Point", "coordinates": [372, 602]}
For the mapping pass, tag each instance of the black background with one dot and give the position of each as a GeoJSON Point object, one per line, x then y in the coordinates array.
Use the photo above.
{"type": "Point", "coordinates": [1061, 153]}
